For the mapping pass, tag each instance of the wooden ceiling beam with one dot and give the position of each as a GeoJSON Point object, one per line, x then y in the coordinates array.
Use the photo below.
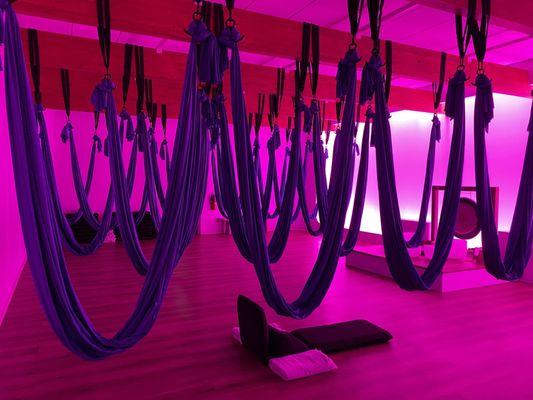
{"type": "Point", "coordinates": [264, 35]}
{"type": "Point", "coordinates": [82, 58]}
{"type": "Point", "coordinates": [516, 14]}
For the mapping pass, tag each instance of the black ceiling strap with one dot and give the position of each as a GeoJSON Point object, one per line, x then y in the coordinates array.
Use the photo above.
{"type": "Point", "coordinates": [355, 10]}
{"type": "Point", "coordinates": [207, 8]}
{"type": "Point", "coordinates": [322, 115]}
{"type": "Point", "coordinates": [463, 38]}
{"type": "Point", "coordinates": [388, 68]}
{"type": "Point", "coordinates": [375, 11]}
{"type": "Point", "coordinates": [153, 114]}
{"type": "Point", "coordinates": [148, 96]}
{"type": "Point", "coordinates": [126, 76]}
{"type": "Point", "coordinates": [302, 65]}
{"type": "Point", "coordinates": [139, 72]}
{"type": "Point", "coordinates": [438, 87]}
{"type": "Point", "coordinates": [218, 19]}
{"type": "Point", "coordinates": [315, 59]}
{"type": "Point", "coordinates": [479, 32]}
{"type": "Point", "coordinates": [280, 86]}
{"type": "Point", "coordinates": [104, 30]}
{"type": "Point", "coordinates": [65, 86]}
{"type": "Point", "coordinates": [35, 64]}
{"type": "Point", "coordinates": [260, 112]}
{"type": "Point", "coordinates": [164, 118]}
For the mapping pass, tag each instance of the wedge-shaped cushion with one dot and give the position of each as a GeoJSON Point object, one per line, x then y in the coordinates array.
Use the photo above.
{"type": "Point", "coordinates": [253, 328]}
{"type": "Point", "coordinates": [342, 336]}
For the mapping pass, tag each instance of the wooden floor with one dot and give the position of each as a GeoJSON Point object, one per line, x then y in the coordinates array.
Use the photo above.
{"type": "Point", "coordinates": [471, 344]}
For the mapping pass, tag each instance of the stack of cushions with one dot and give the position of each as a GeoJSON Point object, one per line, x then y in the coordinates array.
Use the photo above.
{"type": "Point", "coordinates": [145, 229]}
{"type": "Point", "coordinates": [300, 353]}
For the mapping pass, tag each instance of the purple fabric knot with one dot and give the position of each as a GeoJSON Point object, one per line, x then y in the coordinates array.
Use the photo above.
{"type": "Point", "coordinates": [485, 99]}
{"type": "Point", "coordinates": [346, 68]}
{"type": "Point", "coordinates": [125, 118]}
{"type": "Point", "coordinates": [229, 37]}
{"type": "Point", "coordinates": [102, 94]}
{"type": "Point", "coordinates": [274, 142]}
{"type": "Point", "coordinates": [369, 113]}
{"type": "Point", "coordinates": [453, 96]}
{"type": "Point", "coordinates": [98, 141]}
{"type": "Point", "coordinates": [370, 77]}
{"type": "Point", "coordinates": [228, 40]}
{"type": "Point", "coordinates": [198, 31]}
{"type": "Point", "coordinates": [66, 132]}
{"type": "Point", "coordinates": [436, 128]}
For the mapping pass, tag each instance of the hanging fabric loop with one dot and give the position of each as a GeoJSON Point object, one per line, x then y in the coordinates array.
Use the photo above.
{"type": "Point", "coordinates": [438, 87]}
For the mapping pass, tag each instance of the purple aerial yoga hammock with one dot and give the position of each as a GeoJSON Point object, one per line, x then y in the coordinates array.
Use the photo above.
{"type": "Point", "coordinates": [418, 237]}
{"type": "Point", "coordinates": [320, 279]}
{"type": "Point", "coordinates": [398, 259]}
{"type": "Point", "coordinates": [67, 135]}
{"type": "Point", "coordinates": [40, 230]}
{"type": "Point", "coordinates": [64, 226]}
{"type": "Point", "coordinates": [518, 249]}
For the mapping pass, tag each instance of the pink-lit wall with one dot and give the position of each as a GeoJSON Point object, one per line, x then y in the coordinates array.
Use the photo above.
{"type": "Point", "coordinates": [505, 141]}
{"type": "Point", "coordinates": [12, 252]}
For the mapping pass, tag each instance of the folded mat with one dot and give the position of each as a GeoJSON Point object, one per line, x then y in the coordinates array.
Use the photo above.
{"type": "Point", "coordinates": [301, 365]}
{"type": "Point", "coordinates": [342, 336]}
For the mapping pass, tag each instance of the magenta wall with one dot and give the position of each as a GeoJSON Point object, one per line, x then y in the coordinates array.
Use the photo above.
{"type": "Point", "coordinates": [12, 252]}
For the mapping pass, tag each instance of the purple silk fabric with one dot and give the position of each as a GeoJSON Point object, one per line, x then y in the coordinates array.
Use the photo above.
{"type": "Point", "coordinates": [360, 191]}
{"type": "Point", "coordinates": [518, 249]}
{"type": "Point", "coordinates": [63, 224]}
{"type": "Point", "coordinates": [41, 232]}
{"type": "Point", "coordinates": [398, 259]}
{"type": "Point", "coordinates": [418, 237]}
{"type": "Point", "coordinates": [323, 271]}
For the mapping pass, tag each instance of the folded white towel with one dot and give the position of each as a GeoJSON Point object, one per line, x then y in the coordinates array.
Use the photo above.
{"type": "Point", "coordinates": [236, 333]}
{"type": "Point", "coordinates": [301, 365]}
